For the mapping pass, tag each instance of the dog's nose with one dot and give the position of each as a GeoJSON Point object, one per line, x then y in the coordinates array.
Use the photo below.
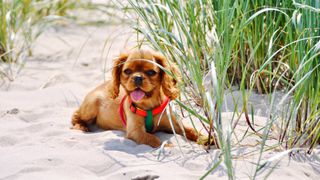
{"type": "Point", "coordinates": [138, 80]}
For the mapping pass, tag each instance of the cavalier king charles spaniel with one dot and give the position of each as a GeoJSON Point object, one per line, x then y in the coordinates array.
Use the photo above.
{"type": "Point", "coordinates": [136, 99]}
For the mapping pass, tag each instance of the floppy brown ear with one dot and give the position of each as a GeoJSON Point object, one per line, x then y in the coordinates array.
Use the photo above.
{"type": "Point", "coordinates": [169, 84]}
{"type": "Point", "coordinates": [116, 73]}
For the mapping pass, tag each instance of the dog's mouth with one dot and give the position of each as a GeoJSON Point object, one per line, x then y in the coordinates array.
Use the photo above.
{"type": "Point", "coordinates": [137, 94]}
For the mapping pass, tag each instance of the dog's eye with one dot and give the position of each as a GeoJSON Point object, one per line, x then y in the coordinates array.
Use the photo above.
{"type": "Point", "coordinates": [151, 73]}
{"type": "Point", "coordinates": [127, 71]}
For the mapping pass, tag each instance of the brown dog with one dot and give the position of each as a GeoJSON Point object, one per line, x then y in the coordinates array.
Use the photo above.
{"type": "Point", "coordinates": [138, 85]}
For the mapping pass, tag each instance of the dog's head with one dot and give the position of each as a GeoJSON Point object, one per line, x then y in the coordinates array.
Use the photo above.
{"type": "Point", "coordinates": [140, 75]}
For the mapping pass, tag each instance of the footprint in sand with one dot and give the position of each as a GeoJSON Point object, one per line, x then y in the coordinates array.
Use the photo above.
{"type": "Point", "coordinates": [6, 141]}
{"type": "Point", "coordinates": [37, 166]}
{"type": "Point", "coordinates": [25, 170]}
{"type": "Point", "coordinates": [31, 117]}
{"type": "Point", "coordinates": [35, 128]}
{"type": "Point", "coordinates": [11, 111]}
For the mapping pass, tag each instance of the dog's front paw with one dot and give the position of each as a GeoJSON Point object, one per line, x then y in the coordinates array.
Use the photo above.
{"type": "Point", "coordinates": [144, 138]}
{"type": "Point", "coordinates": [153, 141]}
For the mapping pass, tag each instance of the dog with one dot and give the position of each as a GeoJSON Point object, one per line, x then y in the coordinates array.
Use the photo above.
{"type": "Point", "coordinates": [135, 99]}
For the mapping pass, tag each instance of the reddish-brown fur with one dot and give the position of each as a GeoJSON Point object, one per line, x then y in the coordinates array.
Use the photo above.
{"type": "Point", "coordinates": [102, 104]}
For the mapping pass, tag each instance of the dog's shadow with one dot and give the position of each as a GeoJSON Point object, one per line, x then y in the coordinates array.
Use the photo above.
{"type": "Point", "coordinates": [118, 141]}
{"type": "Point", "coordinates": [123, 144]}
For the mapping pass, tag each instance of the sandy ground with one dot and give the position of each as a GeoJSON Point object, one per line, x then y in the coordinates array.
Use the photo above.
{"type": "Point", "coordinates": [36, 141]}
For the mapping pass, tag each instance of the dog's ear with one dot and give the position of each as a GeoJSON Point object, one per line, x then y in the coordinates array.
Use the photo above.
{"type": "Point", "coordinates": [116, 73]}
{"type": "Point", "coordinates": [169, 82]}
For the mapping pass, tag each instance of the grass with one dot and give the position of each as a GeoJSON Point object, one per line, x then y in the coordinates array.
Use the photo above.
{"type": "Point", "coordinates": [21, 22]}
{"type": "Point", "coordinates": [262, 46]}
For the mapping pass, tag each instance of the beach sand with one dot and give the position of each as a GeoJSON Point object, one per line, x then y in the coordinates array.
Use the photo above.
{"type": "Point", "coordinates": [36, 141]}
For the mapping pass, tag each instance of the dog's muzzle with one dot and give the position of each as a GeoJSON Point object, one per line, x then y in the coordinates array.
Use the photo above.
{"type": "Point", "coordinates": [138, 80]}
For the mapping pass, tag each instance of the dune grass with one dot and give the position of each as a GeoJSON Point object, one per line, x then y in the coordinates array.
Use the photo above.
{"type": "Point", "coordinates": [262, 46]}
{"type": "Point", "coordinates": [21, 22]}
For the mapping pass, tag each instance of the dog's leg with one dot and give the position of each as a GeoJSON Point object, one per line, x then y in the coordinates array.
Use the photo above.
{"type": "Point", "coordinates": [142, 137]}
{"type": "Point", "coordinates": [136, 132]}
{"type": "Point", "coordinates": [77, 123]}
{"type": "Point", "coordinates": [85, 114]}
{"type": "Point", "coordinates": [190, 133]}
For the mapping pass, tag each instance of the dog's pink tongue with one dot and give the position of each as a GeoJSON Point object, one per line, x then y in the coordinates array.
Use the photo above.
{"type": "Point", "coordinates": [137, 95]}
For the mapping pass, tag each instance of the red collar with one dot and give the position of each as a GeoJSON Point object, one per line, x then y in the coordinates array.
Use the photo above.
{"type": "Point", "coordinates": [139, 111]}
{"type": "Point", "coordinates": [143, 113]}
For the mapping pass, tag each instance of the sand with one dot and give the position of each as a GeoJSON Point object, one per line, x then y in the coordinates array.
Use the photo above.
{"type": "Point", "coordinates": [36, 141]}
